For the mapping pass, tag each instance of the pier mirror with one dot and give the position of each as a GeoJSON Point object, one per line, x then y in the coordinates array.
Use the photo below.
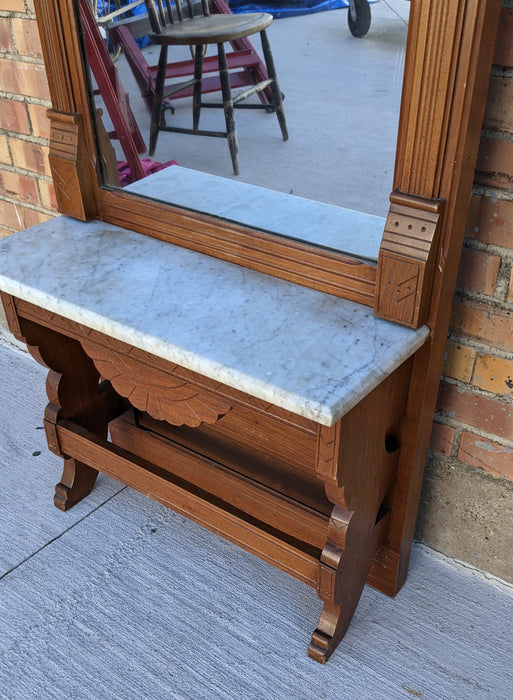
{"type": "Point", "coordinates": [447, 59]}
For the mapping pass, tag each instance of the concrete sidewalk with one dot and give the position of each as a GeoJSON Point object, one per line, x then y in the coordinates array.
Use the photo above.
{"type": "Point", "coordinates": [122, 598]}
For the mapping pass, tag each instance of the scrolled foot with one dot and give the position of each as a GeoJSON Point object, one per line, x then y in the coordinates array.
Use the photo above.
{"type": "Point", "coordinates": [77, 481]}
{"type": "Point", "coordinates": [321, 647]}
{"type": "Point", "coordinates": [62, 498]}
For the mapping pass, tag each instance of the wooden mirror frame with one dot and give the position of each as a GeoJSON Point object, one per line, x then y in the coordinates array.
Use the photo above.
{"type": "Point", "coordinates": [448, 58]}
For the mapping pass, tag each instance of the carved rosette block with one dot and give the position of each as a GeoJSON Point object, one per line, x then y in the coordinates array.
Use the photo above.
{"type": "Point", "coordinates": [71, 169]}
{"type": "Point", "coordinates": [406, 260]}
{"type": "Point", "coordinates": [163, 395]}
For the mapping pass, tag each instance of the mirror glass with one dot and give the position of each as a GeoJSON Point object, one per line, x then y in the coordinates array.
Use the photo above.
{"type": "Point", "coordinates": [341, 100]}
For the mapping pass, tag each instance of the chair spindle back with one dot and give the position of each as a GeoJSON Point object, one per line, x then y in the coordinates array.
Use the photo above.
{"type": "Point", "coordinates": [164, 12]}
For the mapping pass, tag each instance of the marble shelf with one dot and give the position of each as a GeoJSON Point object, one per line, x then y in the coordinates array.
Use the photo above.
{"type": "Point", "coordinates": [305, 351]}
{"type": "Point", "coordinates": [343, 230]}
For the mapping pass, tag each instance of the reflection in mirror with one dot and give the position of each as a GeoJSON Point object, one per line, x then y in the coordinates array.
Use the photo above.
{"type": "Point", "coordinates": [342, 98]}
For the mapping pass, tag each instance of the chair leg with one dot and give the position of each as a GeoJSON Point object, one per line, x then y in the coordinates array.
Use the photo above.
{"type": "Point", "coordinates": [198, 77]}
{"type": "Point", "coordinates": [271, 71]}
{"type": "Point", "coordinates": [228, 108]}
{"type": "Point", "coordinates": [156, 112]}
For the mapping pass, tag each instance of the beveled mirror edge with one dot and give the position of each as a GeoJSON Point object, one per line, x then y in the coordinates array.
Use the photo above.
{"type": "Point", "coordinates": [448, 57]}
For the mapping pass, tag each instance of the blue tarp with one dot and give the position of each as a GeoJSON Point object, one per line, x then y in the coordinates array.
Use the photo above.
{"type": "Point", "coordinates": [276, 8]}
{"type": "Point", "coordinates": [287, 8]}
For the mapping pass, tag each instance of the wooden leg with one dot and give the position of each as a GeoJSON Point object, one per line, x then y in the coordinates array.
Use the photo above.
{"type": "Point", "coordinates": [198, 79]}
{"type": "Point", "coordinates": [357, 461]}
{"type": "Point", "coordinates": [228, 108]}
{"type": "Point", "coordinates": [157, 108]}
{"type": "Point", "coordinates": [277, 97]}
{"type": "Point", "coordinates": [75, 393]}
{"type": "Point", "coordinates": [353, 540]}
{"type": "Point", "coordinates": [76, 482]}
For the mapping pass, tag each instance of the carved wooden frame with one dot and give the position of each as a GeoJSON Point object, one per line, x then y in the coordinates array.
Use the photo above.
{"type": "Point", "coordinates": [448, 57]}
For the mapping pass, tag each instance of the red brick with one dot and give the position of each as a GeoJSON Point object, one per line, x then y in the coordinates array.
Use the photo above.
{"type": "Point", "coordinates": [28, 155]}
{"type": "Point", "coordinates": [10, 216]}
{"type": "Point", "coordinates": [13, 116]}
{"type": "Point", "coordinates": [31, 217]}
{"type": "Point", "coordinates": [47, 191]}
{"type": "Point", "coordinates": [5, 156]}
{"type": "Point", "coordinates": [12, 6]}
{"type": "Point", "coordinates": [494, 166]}
{"type": "Point", "coordinates": [504, 46]}
{"type": "Point", "coordinates": [491, 222]}
{"type": "Point", "coordinates": [6, 40]}
{"type": "Point", "coordinates": [18, 186]}
{"type": "Point", "coordinates": [478, 271]}
{"type": "Point", "coordinates": [481, 412]}
{"type": "Point", "coordinates": [26, 36]}
{"type": "Point", "coordinates": [458, 361]}
{"type": "Point", "coordinates": [479, 452]}
{"type": "Point", "coordinates": [23, 78]}
{"type": "Point", "coordinates": [499, 105]}
{"type": "Point", "coordinates": [442, 437]}
{"type": "Point", "coordinates": [494, 374]}
{"type": "Point", "coordinates": [491, 325]}
{"type": "Point", "coordinates": [39, 120]}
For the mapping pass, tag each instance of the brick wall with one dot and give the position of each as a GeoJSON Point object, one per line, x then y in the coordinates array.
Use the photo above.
{"type": "Point", "coordinates": [26, 190]}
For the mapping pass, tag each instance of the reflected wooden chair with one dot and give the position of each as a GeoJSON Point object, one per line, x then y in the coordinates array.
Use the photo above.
{"type": "Point", "coordinates": [245, 65]}
{"type": "Point", "coordinates": [175, 24]}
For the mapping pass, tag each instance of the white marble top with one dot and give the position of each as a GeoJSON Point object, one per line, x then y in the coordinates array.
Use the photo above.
{"type": "Point", "coordinates": [308, 352]}
{"type": "Point", "coordinates": [325, 225]}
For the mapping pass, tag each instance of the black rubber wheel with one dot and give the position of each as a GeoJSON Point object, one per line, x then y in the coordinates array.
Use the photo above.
{"type": "Point", "coordinates": [359, 17]}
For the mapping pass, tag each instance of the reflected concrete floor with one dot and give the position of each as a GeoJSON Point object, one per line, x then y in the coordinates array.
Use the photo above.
{"type": "Point", "coordinates": [120, 598]}
{"type": "Point", "coordinates": [342, 98]}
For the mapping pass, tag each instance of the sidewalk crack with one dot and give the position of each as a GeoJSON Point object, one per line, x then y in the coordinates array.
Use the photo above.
{"type": "Point", "coordinates": [57, 537]}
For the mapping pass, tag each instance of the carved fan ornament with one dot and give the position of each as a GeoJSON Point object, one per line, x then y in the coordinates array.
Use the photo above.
{"type": "Point", "coordinates": [162, 395]}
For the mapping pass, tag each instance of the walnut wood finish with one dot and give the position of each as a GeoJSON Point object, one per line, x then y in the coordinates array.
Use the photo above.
{"type": "Point", "coordinates": [72, 143]}
{"type": "Point", "coordinates": [448, 58]}
{"type": "Point", "coordinates": [447, 173]}
{"type": "Point", "coordinates": [69, 161]}
{"type": "Point", "coordinates": [313, 501]}
{"type": "Point", "coordinates": [403, 287]}
{"type": "Point", "coordinates": [165, 396]}
{"type": "Point", "coordinates": [330, 272]}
